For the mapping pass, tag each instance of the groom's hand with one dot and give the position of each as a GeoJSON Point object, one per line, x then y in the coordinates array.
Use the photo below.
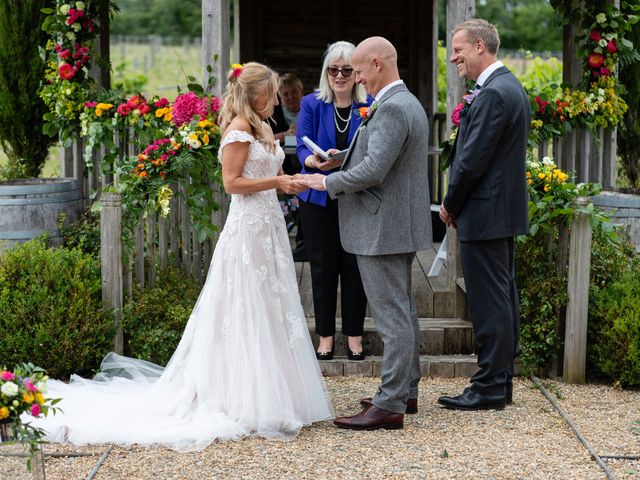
{"type": "Point", "coordinates": [314, 181]}
{"type": "Point", "coordinates": [446, 217]}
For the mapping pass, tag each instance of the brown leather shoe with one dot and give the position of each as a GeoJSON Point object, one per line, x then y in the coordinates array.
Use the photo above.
{"type": "Point", "coordinates": [371, 418]}
{"type": "Point", "coordinates": [412, 404]}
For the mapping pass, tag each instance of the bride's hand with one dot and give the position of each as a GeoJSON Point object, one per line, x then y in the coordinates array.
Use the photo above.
{"type": "Point", "coordinates": [290, 185]}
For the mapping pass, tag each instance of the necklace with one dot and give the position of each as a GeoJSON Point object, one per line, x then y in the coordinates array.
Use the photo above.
{"type": "Point", "coordinates": [346, 121]}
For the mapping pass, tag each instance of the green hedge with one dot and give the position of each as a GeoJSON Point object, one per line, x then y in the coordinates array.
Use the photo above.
{"type": "Point", "coordinates": [51, 309]}
{"type": "Point", "coordinates": [154, 321]}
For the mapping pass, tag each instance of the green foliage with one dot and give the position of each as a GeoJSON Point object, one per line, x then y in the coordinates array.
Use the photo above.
{"type": "Point", "coordinates": [83, 234]}
{"type": "Point", "coordinates": [155, 319]}
{"type": "Point", "coordinates": [127, 82]}
{"type": "Point", "coordinates": [614, 348]}
{"type": "Point", "coordinates": [541, 72]}
{"type": "Point", "coordinates": [158, 17]}
{"type": "Point", "coordinates": [629, 133]}
{"type": "Point", "coordinates": [21, 71]}
{"type": "Point", "coordinates": [543, 292]}
{"type": "Point", "coordinates": [51, 309]}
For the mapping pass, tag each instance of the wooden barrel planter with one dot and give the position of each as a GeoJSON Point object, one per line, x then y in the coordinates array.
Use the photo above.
{"type": "Point", "coordinates": [623, 209]}
{"type": "Point", "coordinates": [30, 207]}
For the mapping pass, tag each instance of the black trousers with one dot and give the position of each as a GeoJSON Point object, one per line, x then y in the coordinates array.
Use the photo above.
{"type": "Point", "coordinates": [494, 308]}
{"type": "Point", "coordinates": [329, 262]}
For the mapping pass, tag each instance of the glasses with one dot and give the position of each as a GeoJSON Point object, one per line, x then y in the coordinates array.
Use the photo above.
{"type": "Point", "coordinates": [334, 71]}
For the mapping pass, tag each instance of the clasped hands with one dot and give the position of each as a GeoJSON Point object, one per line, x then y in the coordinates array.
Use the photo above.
{"type": "Point", "coordinates": [299, 182]}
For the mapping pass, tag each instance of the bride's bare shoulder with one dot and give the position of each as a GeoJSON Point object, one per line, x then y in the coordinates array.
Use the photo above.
{"type": "Point", "coordinates": [238, 123]}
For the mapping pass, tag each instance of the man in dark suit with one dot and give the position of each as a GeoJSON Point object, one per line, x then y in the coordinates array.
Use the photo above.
{"type": "Point", "coordinates": [487, 201]}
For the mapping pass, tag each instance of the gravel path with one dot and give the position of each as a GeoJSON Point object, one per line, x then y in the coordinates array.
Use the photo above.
{"type": "Point", "coordinates": [526, 440]}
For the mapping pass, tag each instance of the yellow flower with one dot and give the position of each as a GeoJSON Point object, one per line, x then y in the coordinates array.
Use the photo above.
{"type": "Point", "coordinates": [164, 197]}
{"type": "Point", "coordinates": [98, 112]}
{"type": "Point", "coordinates": [39, 398]}
{"type": "Point", "coordinates": [4, 413]}
{"type": "Point", "coordinates": [27, 397]}
{"type": "Point", "coordinates": [541, 176]}
{"type": "Point", "coordinates": [193, 136]}
{"type": "Point", "coordinates": [205, 123]}
{"type": "Point", "coordinates": [161, 112]}
{"type": "Point", "coordinates": [205, 139]}
{"type": "Point", "coordinates": [104, 106]}
{"type": "Point", "coordinates": [546, 188]}
{"type": "Point", "coordinates": [529, 181]}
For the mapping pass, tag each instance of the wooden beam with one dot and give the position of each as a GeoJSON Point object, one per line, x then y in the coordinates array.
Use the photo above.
{"type": "Point", "coordinates": [575, 344]}
{"type": "Point", "coordinates": [215, 41]}
{"type": "Point", "coordinates": [111, 261]}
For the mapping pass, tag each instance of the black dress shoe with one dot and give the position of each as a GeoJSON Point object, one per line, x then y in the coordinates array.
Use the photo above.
{"type": "Point", "coordinates": [509, 386]}
{"type": "Point", "coordinates": [472, 400]}
{"type": "Point", "coordinates": [351, 355]}
{"type": "Point", "coordinates": [371, 418]}
{"type": "Point", "coordinates": [412, 404]}
{"type": "Point", "coordinates": [324, 355]}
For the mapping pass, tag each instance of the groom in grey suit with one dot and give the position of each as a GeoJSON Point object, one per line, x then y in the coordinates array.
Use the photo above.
{"type": "Point", "coordinates": [487, 202]}
{"type": "Point", "coordinates": [385, 219]}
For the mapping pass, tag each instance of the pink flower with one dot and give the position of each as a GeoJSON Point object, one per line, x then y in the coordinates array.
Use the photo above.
{"type": "Point", "coordinates": [215, 104]}
{"type": "Point", "coordinates": [187, 106]}
{"type": "Point", "coordinates": [30, 386]}
{"type": "Point", "coordinates": [58, 47]}
{"type": "Point", "coordinates": [64, 54]}
{"type": "Point", "coordinates": [90, 104]}
{"type": "Point", "coordinates": [7, 375]}
{"type": "Point", "coordinates": [163, 102]}
{"type": "Point", "coordinates": [35, 410]}
{"type": "Point", "coordinates": [66, 71]}
{"type": "Point", "coordinates": [144, 108]}
{"type": "Point", "coordinates": [135, 101]}
{"type": "Point", "coordinates": [605, 72]}
{"type": "Point", "coordinates": [455, 115]}
{"type": "Point", "coordinates": [595, 35]}
{"type": "Point", "coordinates": [123, 109]}
{"type": "Point", "coordinates": [612, 47]}
{"type": "Point", "coordinates": [595, 60]}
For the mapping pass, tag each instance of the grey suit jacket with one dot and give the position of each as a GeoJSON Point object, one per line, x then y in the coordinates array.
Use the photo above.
{"type": "Point", "coordinates": [383, 187]}
{"type": "Point", "coordinates": [487, 191]}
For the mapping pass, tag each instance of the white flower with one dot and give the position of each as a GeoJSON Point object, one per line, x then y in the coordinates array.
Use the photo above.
{"type": "Point", "coordinates": [547, 161]}
{"type": "Point", "coordinates": [41, 386]}
{"type": "Point", "coordinates": [71, 36]}
{"type": "Point", "coordinates": [9, 389]}
{"type": "Point", "coordinates": [76, 26]}
{"type": "Point", "coordinates": [601, 18]}
{"type": "Point", "coordinates": [164, 196]}
{"type": "Point", "coordinates": [80, 5]}
{"type": "Point", "coordinates": [64, 9]}
{"type": "Point", "coordinates": [602, 42]}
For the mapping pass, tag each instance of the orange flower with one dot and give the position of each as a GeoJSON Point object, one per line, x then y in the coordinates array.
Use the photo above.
{"type": "Point", "coordinates": [364, 112]}
{"type": "Point", "coordinates": [142, 157]}
{"type": "Point", "coordinates": [142, 174]}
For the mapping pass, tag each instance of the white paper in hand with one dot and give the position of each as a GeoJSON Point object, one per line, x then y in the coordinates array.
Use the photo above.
{"type": "Point", "coordinates": [321, 153]}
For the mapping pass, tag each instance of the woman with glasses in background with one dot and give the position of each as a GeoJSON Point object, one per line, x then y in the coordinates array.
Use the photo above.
{"type": "Point", "coordinates": [330, 118]}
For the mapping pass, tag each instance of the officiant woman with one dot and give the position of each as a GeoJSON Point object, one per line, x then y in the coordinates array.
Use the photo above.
{"type": "Point", "coordinates": [330, 117]}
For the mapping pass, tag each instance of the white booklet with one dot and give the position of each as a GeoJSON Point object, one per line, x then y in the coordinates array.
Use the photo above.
{"type": "Point", "coordinates": [321, 153]}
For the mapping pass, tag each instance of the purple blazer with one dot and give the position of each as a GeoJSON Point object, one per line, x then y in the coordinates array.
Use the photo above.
{"type": "Point", "coordinates": [316, 121]}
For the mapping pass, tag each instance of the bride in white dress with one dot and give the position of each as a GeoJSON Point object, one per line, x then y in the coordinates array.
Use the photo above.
{"type": "Point", "coordinates": [245, 365]}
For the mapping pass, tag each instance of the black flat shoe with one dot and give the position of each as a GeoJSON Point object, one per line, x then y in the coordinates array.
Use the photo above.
{"type": "Point", "coordinates": [324, 355]}
{"type": "Point", "coordinates": [355, 356]}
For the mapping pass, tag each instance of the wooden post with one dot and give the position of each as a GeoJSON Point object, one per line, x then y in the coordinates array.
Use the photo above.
{"type": "Point", "coordinates": [111, 261]}
{"type": "Point", "coordinates": [457, 12]}
{"type": "Point", "coordinates": [575, 345]}
{"type": "Point", "coordinates": [583, 154]}
{"type": "Point", "coordinates": [37, 464]}
{"type": "Point", "coordinates": [66, 162]}
{"type": "Point", "coordinates": [215, 41]}
{"type": "Point", "coordinates": [609, 146]}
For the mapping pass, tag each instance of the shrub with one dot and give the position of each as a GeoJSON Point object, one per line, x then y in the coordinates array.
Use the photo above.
{"type": "Point", "coordinates": [83, 234]}
{"type": "Point", "coordinates": [615, 340]}
{"type": "Point", "coordinates": [51, 309]}
{"type": "Point", "coordinates": [154, 321]}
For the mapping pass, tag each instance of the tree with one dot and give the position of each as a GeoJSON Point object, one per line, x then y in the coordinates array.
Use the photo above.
{"type": "Point", "coordinates": [522, 24]}
{"type": "Point", "coordinates": [21, 71]}
{"type": "Point", "coordinates": [159, 17]}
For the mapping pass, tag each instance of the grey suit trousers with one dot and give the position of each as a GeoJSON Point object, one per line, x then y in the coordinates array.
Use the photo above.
{"type": "Point", "coordinates": [387, 282]}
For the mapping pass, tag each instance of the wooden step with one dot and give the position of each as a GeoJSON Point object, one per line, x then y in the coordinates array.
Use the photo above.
{"type": "Point", "coordinates": [432, 296]}
{"type": "Point", "coordinates": [438, 336]}
{"type": "Point", "coordinates": [430, 366]}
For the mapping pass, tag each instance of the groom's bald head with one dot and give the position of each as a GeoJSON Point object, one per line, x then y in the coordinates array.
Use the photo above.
{"type": "Point", "coordinates": [375, 62]}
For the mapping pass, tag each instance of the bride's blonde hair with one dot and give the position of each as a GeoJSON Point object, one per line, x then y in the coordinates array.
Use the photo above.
{"type": "Point", "coordinates": [245, 86]}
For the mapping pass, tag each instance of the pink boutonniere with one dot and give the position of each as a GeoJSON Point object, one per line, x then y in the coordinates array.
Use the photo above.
{"type": "Point", "coordinates": [463, 107]}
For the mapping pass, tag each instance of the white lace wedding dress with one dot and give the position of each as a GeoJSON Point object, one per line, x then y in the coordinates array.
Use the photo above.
{"type": "Point", "coordinates": [245, 365]}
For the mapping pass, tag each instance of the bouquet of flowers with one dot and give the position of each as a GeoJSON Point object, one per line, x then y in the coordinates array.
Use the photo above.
{"type": "Point", "coordinates": [22, 392]}
{"type": "Point", "coordinates": [289, 205]}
